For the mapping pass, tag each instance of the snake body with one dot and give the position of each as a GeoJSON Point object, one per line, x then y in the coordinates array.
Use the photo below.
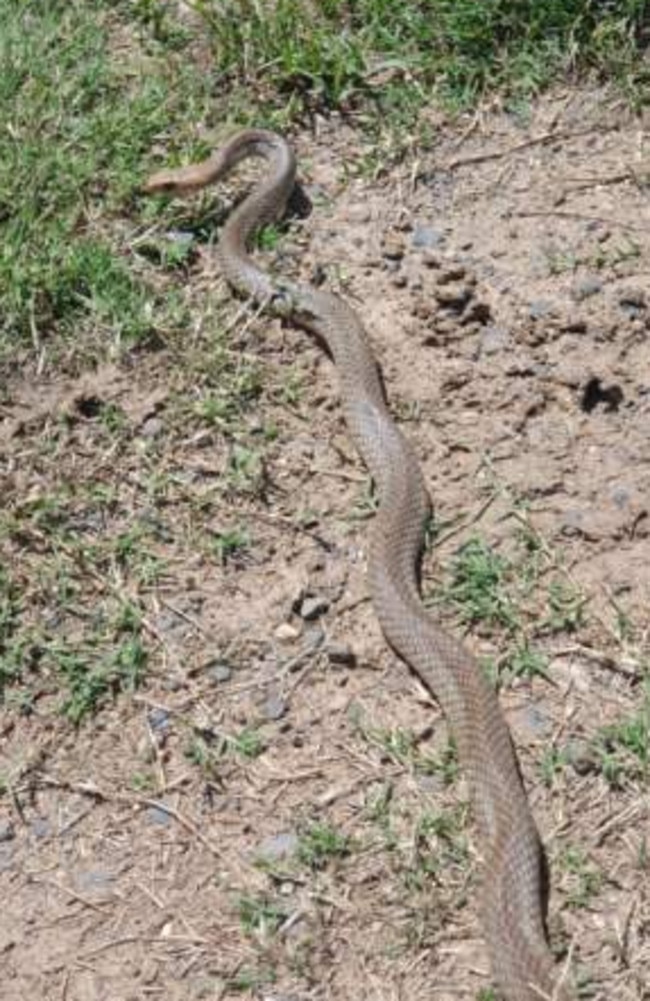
{"type": "Point", "coordinates": [512, 910]}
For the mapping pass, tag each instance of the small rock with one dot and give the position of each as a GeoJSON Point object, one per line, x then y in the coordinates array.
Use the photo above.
{"type": "Point", "coordinates": [341, 654]}
{"type": "Point", "coordinates": [539, 308]}
{"type": "Point", "coordinates": [574, 325]}
{"type": "Point", "coordinates": [219, 671]}
{"type": "Point", "coordinates": [279, 846]}
{"type": "Point", "coordinates": [145, 750]}
{"type": "Point", "coordinates": [392, 247]}
{"type": "Point", "coordinates": [152, 427]}
{"type": "Point", "coordinates": [536, 722]}
{"type": "Point", "coordinates": [477, 312]}
{"type": "Point", "coordinates": [41, 828]}
{"type": "Point", "coordinates": [359, 213]}
{"type": "Point", "coordinates": [159, 720]}
{"type": "Point", "coordinates": [275, 707]}
{"type": "Point", "coordinates": [581, 756]}
{"type": "Point", "coordinates": [587, 286]}
{"type": "Point", "coordinates": [7, 831]}
{"type": "Point", "coordinates": [493, 339]}
{"type": "Point", "coordinates": [313, 607]}
{"type": "Point", "coordinates": [426, 236]}
{"type": "Point", "coordinates": [157, 816]}
{"type": "Point", "coordinates": [454, 296]}
{"type": "Point", "coordinates": [632, 300]}
{"type": "Point", "coordinates": [452, 273]}
{"type": "Point", "coordinates": [93, 879]}
{"type": "Point", "coordinates": [286, 633]}
{"type": "Point", "coordinates": [431, 259]}
{"type": "Point", "coordinates": [633, 297]}
{"type": "Point", "coordinates": [173, 683]}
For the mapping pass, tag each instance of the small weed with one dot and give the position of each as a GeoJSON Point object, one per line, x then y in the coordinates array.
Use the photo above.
{"type": "Point", "coordinates": [609, 257]}
{"type": "Point", "coordinates": [142, 782]}
{"type": "Point", "coordinates": [261, 916]}
{"type": "Point", "coordinates": [248, 743]}
{"type": "Point", "coordinates": [623, 748]}
{"type": "Point", "coordinates": [204, 756]}
{"type": "Point", "coordinates": [268, 238]}
{"type": "Point", "coordinates": [478, 586]}
{"type": "Point", "coordinates": [250, 981]}
{"type": "Point", "coordinates": [552, 764]}
{"type": "Point", "coordinates": [442, 833]}
{"type": "Point", "coordinates": [379, 803]}
{"type": "Point", "coordinates": [320, 843]}
{"type": "Point", "coordinates": [367, 505]}
{"type": "Point", "coordinates": [584, 881]}
{"type": "Point", "coordinates": [245, 473]}
{"type": "Point", "coordinates": [92, 674]}
{"type": "Point", "coordinates": [444, 764]}
{"type": "Point", "coordinates": [566, 607]}
{"type": "Point", "coordinates": [522, 661]}
{"type": "Point", "coordinates": [229, 546]}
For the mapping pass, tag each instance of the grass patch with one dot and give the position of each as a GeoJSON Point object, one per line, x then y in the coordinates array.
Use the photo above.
{"type": "Point", "coordinates": [519, 592]}
{"type": "Point", "coordinates": [320, 844]}
{"type": "Point", "coordinates": [340, 53]}
{"type": "Point", "coordinates": [80, 115]}
{"type": "Point", "coordinates": [623, 748]}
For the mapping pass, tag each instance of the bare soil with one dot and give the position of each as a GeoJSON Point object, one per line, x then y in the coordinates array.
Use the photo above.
{"type": "Point", "coordinates": [504, 281]}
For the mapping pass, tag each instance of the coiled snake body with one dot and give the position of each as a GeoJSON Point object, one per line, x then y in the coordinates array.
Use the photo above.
{"type": "Point", "coordinates": [512, 894]}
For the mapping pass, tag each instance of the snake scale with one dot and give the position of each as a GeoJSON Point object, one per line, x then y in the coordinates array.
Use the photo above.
{"type": "Point", "coordinates": [512, 904]}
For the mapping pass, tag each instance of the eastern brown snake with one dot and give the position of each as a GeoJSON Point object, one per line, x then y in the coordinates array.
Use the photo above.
{"type": "Point", "coordinates": [512, 893]}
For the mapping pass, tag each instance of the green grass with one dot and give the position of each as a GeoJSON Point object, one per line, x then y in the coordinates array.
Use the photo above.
{"type": "Point", "coordinates": [623, 748]}
{"type": "Point", "coordinates": [519, 593]}
{"type": "Point", "coordinates": [78, 125]}
{"type": "Point", "coordinates": [583, 880]}
{"type": "Point", "coordinates": [344, 52]}
{"type": "Point", "coordinates": [320, 843]}
{"type": "Point", "coordinates": [261, 915]}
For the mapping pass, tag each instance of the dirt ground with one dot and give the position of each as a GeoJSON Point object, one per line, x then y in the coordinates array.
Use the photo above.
{"type": "Point", "coordinates": [276, 813]}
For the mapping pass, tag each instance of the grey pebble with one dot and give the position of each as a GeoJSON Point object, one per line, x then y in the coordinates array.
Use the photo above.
{"type": "Point", "coordinates": [341, 654]}
{"type": "Point", "coordinates": [158, 817]}
{"type": "Point", "coordinates": [620, 496]}
{"type": "Point", "coordinates": [426, 236]}
{"type": "Point", "coordinates": [275, 707]}
{"type": "Point", "coordinates": [7, 831]}
{"type": "Point", "coordinates": [454, 296]}
{"type": "Point", "coordinates": [313, 607]}
{"type": "Point", "coordinates": [535, 721]}
{"type": "Point", "coordinates": [452, 273]}
{"type": "Point", "coordinates": [539, 308]}
{"type": "Point", "coordinates": [586, 287]}
{"type": "Point", "coordinates": [219, 671]}
{"type": "Point", "coordinates": [41, 827]}
{"type": "Point", "coordinates": [159, 720]}
{"type": "Point", "coordinates": [6, 857]}
{"type": "Point", "coordinates": [279, 846]}
{"type": "Point", "coordinates": [493, 339]}
{"type": "Point", "coordinates": [152, 427]}
{"type": "Point", "coordinates": [581, 756]}
{"type": "Point", "coordinates": [392, 247]}
{"type": "Point", "coordinates": [173, 683]}
{"type": "Point", "coordinates": [633, 297]}
{"type": "Point", "coordinates": [93, 879]}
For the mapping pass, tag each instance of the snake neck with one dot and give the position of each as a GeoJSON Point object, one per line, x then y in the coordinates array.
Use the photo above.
{"type": "Point", "coordinates": [266, 203]}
